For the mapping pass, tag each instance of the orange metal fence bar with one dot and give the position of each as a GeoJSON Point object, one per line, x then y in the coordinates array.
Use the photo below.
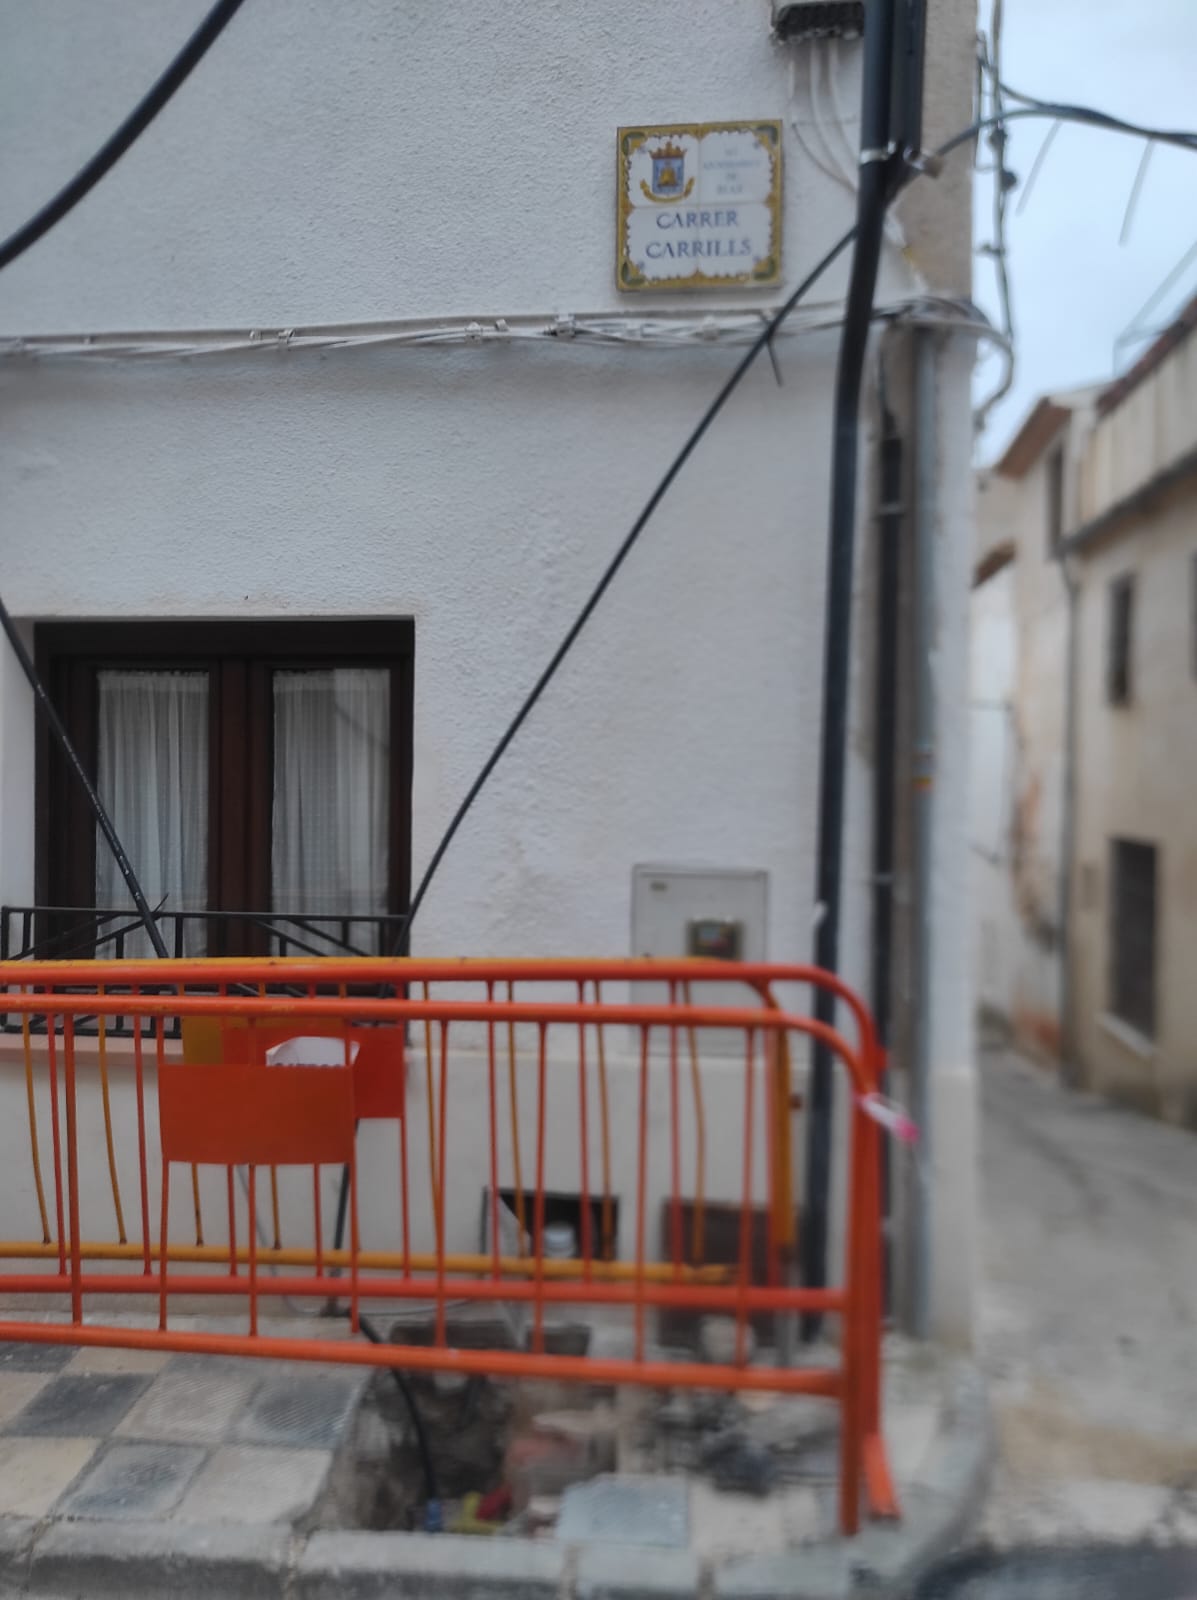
{"type": "Point", "coordinates": [231, 1124]}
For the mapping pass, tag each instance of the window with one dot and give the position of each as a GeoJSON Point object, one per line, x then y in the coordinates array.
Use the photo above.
{"type": "Point", "coordinates": [1120, 639]}
{"type": "Point", "coordinates": [1133, 879]}
{"type": "Point", "coordinates": [1055, 500]}
{"type": "Point", "coordinates": [259, 768]}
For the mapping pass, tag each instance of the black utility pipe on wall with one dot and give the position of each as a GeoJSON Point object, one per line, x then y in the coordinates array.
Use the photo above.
{"type": "Point", "coordinates": [876, 166]}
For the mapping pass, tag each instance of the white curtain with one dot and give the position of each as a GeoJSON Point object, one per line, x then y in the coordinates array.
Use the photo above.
{"type": "Point", "coordinates": [152, 775]}
{"type": "Point", "coordinates": [331, 792]}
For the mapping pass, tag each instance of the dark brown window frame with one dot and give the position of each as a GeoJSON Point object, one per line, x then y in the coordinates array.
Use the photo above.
{"type": "Point", "coordinates": [240, 655]}
{"type": "Point", "coordinates": [1054, 487]}
{"type": "Point", "coordinates": [1133, 940]}
{"type": "Point", "coordinates": [1120, 640]}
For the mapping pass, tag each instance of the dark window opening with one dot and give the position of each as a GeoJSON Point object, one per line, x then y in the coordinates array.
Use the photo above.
{"type": "Point", "coordinates": [1055, 500]}
{"type": "Point", "coordinates": [1133, 880]}
{"type": "Point", "coordinates": [718, 1243]}
{"type": "Point", "coordinates": [1120, 640]}
{"type": "Point", "coordinates": [561, 1212]}
{"type": "Point", "coordinates": [258, 774]}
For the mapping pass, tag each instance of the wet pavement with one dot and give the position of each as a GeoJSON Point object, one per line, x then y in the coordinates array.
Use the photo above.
{"type": "Point", "coordinates": [1086, 1572]}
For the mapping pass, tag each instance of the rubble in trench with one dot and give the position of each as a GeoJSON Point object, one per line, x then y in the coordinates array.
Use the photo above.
{"type": "Point", "coordinates": [506, 1454]}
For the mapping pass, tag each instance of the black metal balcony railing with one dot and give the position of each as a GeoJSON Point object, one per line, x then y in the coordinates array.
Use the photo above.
{"type": "Point", "coordinates": [86, 933]}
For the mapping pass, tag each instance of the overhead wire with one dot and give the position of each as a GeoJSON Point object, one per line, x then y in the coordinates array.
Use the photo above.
{"type": "Point", "coordinates": [115, 146]}
{"type": "Point", "coordinates": [1003, 182]}
{"type": "Point", "coordinates": [1037, 165]}
{"type": "Point", "coordinates": [1128, 217]}
{"type": "Point", "coordinates": [572, 331]}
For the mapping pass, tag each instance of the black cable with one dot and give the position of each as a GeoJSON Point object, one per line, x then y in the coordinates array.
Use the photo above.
{"type": "Point", "coordinates": [763, 339]}
{"type": "Point", "coordinates": [1032, 105]}
{"type": "Point", "coordinates": [428, 1466]}
{"type": "Point", "coordinates": [1003, 182]}
{"type": "Point", "coordinates": [134, 124]}
{"type": "Point", "coordinates": [1083, 115]}
{"type": "Point", "coordinates": [103, 820]}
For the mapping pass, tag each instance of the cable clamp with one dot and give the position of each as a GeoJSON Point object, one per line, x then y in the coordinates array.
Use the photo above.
{"type": "Point", "coordinates": [564, 326]}
{"type": "Point", "coordinates": [890, 1116]}
{"type": "Point", "coordinates": [923, 161]}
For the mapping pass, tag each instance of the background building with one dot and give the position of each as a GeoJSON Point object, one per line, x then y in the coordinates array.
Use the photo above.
{"type": "Point", "coordinates": [1088, 900]}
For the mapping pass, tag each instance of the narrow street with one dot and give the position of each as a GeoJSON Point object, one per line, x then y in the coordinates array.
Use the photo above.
{"type": "Point", "coordinates": [1087, 1337]}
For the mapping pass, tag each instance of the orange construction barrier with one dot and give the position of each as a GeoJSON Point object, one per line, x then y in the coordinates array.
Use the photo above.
{"type": "Point", "coordinates": [228, 1067]}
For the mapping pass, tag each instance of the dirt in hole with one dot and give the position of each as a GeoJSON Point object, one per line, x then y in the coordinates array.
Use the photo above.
{"type": "Point", "coordinates": [504, 1453]}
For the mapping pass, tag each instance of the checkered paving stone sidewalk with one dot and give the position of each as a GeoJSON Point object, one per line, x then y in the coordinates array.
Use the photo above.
{"type": "Point", "coordinates": [145, 1435]}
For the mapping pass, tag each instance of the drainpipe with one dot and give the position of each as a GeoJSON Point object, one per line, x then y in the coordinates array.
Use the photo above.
{"type": "Point", "coordinates": [1068, 1063]}
{"type": "Point", "coordinates": [924, 630]}
{"type": "Point", "coordinates": [876, 167]}
{"type": "Point", "coordinates": [890, 513]}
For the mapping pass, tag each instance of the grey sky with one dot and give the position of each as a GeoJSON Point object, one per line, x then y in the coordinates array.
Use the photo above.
{"type": "Point", "coordinates": [1074, 287]}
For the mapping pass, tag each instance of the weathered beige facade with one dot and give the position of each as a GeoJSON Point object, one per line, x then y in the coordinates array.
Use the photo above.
{"type": "Point", "coordinates": [1085, 619]}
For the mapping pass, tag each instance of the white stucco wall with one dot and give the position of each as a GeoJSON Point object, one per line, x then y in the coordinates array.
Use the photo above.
{"type": "Point", "coordinates": [336, 164]}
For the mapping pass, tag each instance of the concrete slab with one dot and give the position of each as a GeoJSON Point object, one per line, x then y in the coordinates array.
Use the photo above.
{"type": "Point", "coordinates": [35, 1357]}
{"type": "Point", "coordinates": [184, 1561]}
{"type": "Point", "coordinates": [97, 1358]}
{"type": "Point", "coordinates": [80, 1405]}
{"type": "Point", "coordinates": [909, 1434]}
{"type": "Point", "coordinates": [255, 1483]}
{"type": "Point", "coordinates": [17, 1389]}
{"type": "Point", "coordinates": [133, 1482]}
{"type": "Point", "coordinates": [415, 1566]}
{"type": "Point", "coordinates": [723, 1524]}
{"type": "Point", "coordinates": [17, 1536]}
{"type": "Point", "coordinates": [807, 1513]}
{"type": "Point", "coordinates": [301, 1410]}
{"type": "Point", "coordinates": [614, 1572]}
{"type": "Point", "coordinates": [189, 1403]}
{"type": "Point", "coordinates": [626, 1509]}
{"type": "Point", "coordinates": [34, 1473]}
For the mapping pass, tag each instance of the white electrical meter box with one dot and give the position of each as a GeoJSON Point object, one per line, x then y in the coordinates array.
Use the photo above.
{"type": "Point", "coordinates": [712, 912]}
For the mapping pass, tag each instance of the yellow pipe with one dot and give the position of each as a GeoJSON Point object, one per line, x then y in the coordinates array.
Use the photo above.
{"type": "Point", "coordinates": [374, 1261]}
{"type": "Point", "coordinates": [33, 1142]}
